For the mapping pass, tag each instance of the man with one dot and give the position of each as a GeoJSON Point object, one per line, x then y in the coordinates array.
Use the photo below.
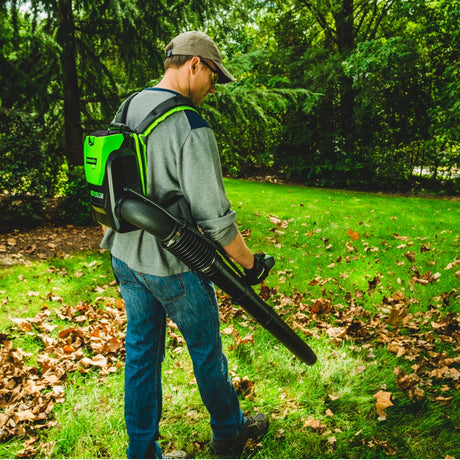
{"type": "Point", "coordinates": [182, 162]}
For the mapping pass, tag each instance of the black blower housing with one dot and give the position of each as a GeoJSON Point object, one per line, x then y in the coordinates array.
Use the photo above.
{"type": "Point", "coordinates": [204, 256]}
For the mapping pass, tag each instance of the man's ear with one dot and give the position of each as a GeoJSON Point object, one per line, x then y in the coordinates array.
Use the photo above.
{"type": "Point", "coordinates": [194, 64]}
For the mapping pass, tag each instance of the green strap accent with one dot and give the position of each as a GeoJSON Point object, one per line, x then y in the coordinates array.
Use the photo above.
{"type": "Point", "coordinates": [141, 161]}
{"type": "Point", "coordinates": [165, 115]}
{"type": "Point", "coordinates": [141, 147]}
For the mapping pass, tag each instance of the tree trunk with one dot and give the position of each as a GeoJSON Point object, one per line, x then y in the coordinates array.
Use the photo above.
{"type": "Point", "coordinates": [345, 43]}
{"type": "Point", "coordinates": [72, 120]}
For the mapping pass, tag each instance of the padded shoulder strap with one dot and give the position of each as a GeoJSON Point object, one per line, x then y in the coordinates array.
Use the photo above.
{"type": "Point", "coordinates": [163, 108]}
{"type": "Point", "coordinates": [120, 117]}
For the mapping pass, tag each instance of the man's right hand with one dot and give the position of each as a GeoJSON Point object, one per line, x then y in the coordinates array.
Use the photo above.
{"type": "Point", "coordinates": [262, 265]}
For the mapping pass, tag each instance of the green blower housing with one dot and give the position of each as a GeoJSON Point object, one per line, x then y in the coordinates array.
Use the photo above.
{"type": "Point", "coordinates": [110, 165]}
{"type": "Point", "coordinates": [116, 158]}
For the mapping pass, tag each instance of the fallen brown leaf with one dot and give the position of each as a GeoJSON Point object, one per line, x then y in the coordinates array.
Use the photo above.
{"type": "Point", "coordinates": [353, 235]}
{"type": "Point", "coordinates": [383, 402]}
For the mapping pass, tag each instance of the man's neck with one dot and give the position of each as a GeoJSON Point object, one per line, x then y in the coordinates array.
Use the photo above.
{"type": "Point", "coordinates": [172, 80]}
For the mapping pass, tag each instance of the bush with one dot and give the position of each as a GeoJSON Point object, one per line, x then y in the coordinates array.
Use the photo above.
{"type": "Point", "coordinates": [250, 125]}
{"type": "Point", "coordinates": [25, 166]}
{"type": "Point", "coordinates": [20, 212]}
{"type": "Point", "coordinates": [74, 207]}
{"type": "Point", "coordinates": [71, 207]}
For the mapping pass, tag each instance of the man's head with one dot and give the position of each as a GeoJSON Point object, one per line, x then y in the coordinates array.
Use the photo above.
{"type": "Point", "coordinates": [189, 44]}
{"type": "Point", "coordinates": [193, 66]}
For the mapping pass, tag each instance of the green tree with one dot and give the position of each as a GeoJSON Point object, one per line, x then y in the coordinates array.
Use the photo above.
{"type": "Point", "coordinates": [303, 44]}
{"type": "Point", "coordinates": [250, 125]}
{"type": "Point", "coordinates": [28, 63]}
{"type": "Point", "coordinates": [106, 47]}
{"type": "Point", "coordinates": [388, 75]}
{"type": "Point", "coordinates": [408, 89]}
{"type": "Point", "coordinates": [340, 25]}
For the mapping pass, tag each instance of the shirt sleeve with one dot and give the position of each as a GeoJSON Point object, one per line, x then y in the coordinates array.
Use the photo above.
{"type": "Point", "coordinates": [200, 177]}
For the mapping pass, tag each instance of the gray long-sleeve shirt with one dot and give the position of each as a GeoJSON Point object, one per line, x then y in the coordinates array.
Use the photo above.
{"type": "Point", "coordinates": [182, 159]}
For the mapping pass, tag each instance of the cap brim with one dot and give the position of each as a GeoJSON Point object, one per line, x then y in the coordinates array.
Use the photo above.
{"type": "Point", "coordinates": [224, 75]}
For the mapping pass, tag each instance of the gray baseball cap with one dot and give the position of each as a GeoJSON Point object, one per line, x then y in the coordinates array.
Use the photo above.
{"type": "Point", "coordinates": [195, 43]}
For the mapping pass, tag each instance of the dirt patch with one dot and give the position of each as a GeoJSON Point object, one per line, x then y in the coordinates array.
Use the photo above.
{"type": "Point", "coordinates": [48, 241]}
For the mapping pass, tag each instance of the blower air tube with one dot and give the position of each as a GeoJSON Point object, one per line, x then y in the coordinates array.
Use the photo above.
{"type": "Point", "coordinates": [195, 251]}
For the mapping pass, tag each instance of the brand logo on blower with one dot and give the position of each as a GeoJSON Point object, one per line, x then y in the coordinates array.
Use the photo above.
{"type": "Point", "coordinates": [98, 195]}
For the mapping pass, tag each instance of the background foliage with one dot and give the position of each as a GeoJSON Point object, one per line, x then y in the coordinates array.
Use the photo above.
{"type": "Point", "coordinates": [332, 94]}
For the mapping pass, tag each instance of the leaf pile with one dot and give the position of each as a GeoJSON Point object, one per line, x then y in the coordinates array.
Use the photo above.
{"type": "Point", "coordinates": [29, 392]}
{"type": "Point", "coordinates": [425, 339]}
{"type": "Point", "coordinates": [429, 341]}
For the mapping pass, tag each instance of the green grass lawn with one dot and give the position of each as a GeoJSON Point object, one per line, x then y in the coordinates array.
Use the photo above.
{"type": "Point", "coordinates": [370, 281]}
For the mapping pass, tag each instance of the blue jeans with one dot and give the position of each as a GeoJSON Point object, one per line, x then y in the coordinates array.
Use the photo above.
{"type": "Point", "coordinates": [190, 301]}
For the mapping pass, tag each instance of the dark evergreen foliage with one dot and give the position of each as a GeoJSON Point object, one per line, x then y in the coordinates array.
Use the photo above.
{"type": "Point", "coordinates": [337, 94]}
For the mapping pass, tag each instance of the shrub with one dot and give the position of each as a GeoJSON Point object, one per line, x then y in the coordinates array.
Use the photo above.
{"type": "Point", "coordinates": [20, 212]}
{"type": "Point", "coordinates": [25, 167]}
{"type": "Point", "coordinates": [74, 207]}
{"type": "Point", "coordinates": [250, 125]}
